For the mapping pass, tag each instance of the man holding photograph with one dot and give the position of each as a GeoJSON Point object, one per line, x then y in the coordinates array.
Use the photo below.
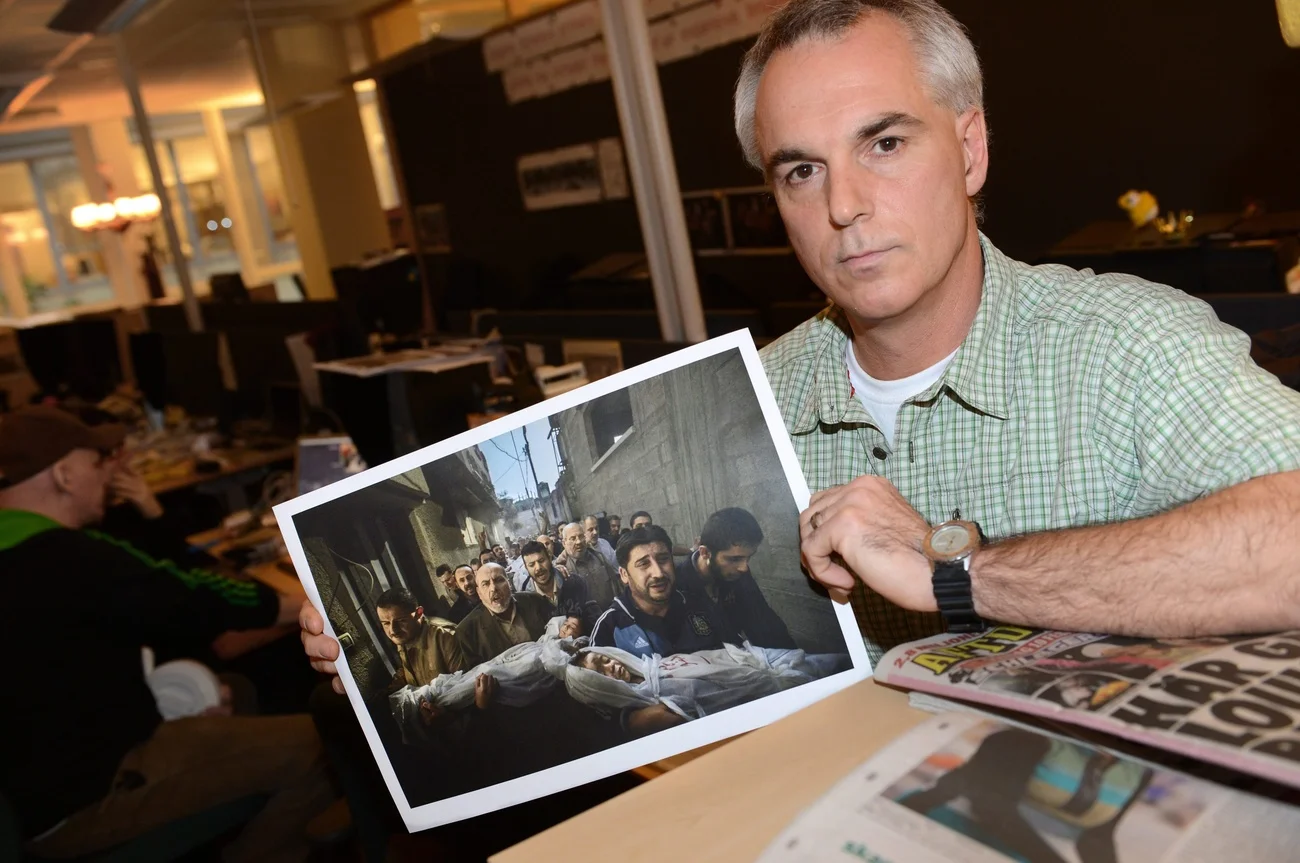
{"type": "Point", "coordinates": [503, 619]}
{"type": "Point", "coordinates": [652, 615]}
{"type": "Point", "coordinates": [1145, 466]}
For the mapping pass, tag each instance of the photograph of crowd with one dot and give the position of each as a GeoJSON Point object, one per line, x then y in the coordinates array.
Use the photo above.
{"type": "Point", "coordinates": [616, 569]}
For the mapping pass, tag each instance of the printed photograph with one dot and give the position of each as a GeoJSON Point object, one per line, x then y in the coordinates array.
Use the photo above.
{"type": "Point", "coordinates": [622, 567]}
{"type": "Point", "coordinates": [1040, 799]}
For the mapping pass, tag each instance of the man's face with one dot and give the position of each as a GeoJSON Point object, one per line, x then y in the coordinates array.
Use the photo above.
{"type": "Point", "coordinates": [540, 568]}
{"type": "Point", "coordinates": [514, 550]}
{"type": "Point", "coordinates": [465, 580]}
{"type": "Point", "coordinates": [614, 523]}
{"type": "Point", "coordinates": [591, 528]}
{"type": "Point", "coordinates": [575, 541]}
{"type": "Point", "coordinates": [731, 563]}
{"type": "Point", "coordinates": [493, 589]}
{"type": "Point", "coordinates": [84, 476]}
{"type": "Point", "coordinates": [608, 666]}
{"type": "Point", "coordinates": [871, 176]}
{"type": "Point", "coordinates": [498, 555]}
{"type": "Point", "coordinates": [649, 574]}
{"type": "Point", "coordinates": [449, 579]}
{"type": "Point", "coordinates": [400, 626]}
{"type": "Point", "coordinates": [640, 521]}
{"type": "Point", "coordinates": [486, 557]}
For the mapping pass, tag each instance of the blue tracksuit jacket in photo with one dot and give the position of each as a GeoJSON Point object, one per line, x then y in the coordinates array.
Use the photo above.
{"type": "Point", "coordinates": [691, 624]}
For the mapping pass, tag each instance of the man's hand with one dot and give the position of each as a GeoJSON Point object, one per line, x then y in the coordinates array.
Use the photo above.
{"type": "Point", "coordinates": [867, 529]}
{"type": "Point", "coordinates": [225, 706]}
{"type": "Point", "coordinates": [127, 485]}
{"type": "Point", "coordinates": [429, 713]}
{"type": "Point", "coordinates": [485, 689]}
{"type": "Point", "coordinates": [320, 648]}
{"type": "Point", "coordinates": [648, 720]}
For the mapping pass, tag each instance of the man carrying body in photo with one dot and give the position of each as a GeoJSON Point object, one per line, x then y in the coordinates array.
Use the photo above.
{"type": "Point", "coordinates": [1146, 468]}
{"type": "Point", "coordinates": [584, 562]}
{"type": "Point", "coordinates": [652, 615]}
{"type": "Point", "coordinates": [719, 568]}
{"type": "Point", "coordinates": [503, 618]}
{"type": "Point", "coordinates": [425, 647]}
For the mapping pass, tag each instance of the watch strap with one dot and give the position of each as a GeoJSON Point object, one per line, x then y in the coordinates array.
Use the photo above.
{"type": "Point", "coordinates": [952, 593]}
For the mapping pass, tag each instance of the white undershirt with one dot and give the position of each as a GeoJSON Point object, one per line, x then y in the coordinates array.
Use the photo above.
{"type": "Point", "coordinates": [882, 399]}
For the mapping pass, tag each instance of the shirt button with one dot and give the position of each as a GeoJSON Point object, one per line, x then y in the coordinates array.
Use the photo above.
{"type": "Point", "coordinates": [879, 452]}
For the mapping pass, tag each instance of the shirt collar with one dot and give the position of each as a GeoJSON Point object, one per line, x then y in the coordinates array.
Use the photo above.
{"type": "Point", "coordinates": [977, 375]}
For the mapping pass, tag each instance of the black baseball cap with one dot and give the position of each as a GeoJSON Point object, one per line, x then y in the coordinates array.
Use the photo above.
{"type": "Point", "coordinates": [32, 439]}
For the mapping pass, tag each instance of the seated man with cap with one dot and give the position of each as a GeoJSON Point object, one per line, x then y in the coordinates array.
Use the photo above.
{"type": "Point", "coordinates": [85, 780]}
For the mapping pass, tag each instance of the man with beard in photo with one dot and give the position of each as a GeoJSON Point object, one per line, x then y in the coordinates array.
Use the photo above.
{"type": "Point", "coordinates": [719, 568]}
{"type": "Point", "coordinates": [652, 615]}
{"type": "Point", "coordinates": [503, 618]}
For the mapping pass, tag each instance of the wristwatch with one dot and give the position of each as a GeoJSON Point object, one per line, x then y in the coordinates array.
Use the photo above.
{"type": "Point", "coordinates": [949, 547]}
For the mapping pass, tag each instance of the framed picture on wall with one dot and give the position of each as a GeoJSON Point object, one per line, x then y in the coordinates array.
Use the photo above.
{"type": "Point", "coordinates": [431, 230]}
{"type": "Point", "coordinates": [578, 658]}
{"type": "Point", "coordinates": [755, 221]}
{"type": "Point", "coordinates": [706, 222]}
{"type": "Point", "coordinates": [601, 358]}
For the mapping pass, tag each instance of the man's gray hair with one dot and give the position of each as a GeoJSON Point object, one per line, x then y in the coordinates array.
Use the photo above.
{"type": "Point", "coordinates": [948, 61]}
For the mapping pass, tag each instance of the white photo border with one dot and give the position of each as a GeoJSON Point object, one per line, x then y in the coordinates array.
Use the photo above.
{"type": "Point", "coordinates": [625, 756]}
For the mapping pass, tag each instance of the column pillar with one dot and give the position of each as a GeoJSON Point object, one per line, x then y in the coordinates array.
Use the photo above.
{"type": "Point", "coordinates": [243, 230]}
{"type": "Point", "coordinates": [104, 155]}
{"type": "Point", "coordinates": [333, 202]}
{"type": "Point", "coordinates": [11, 281]}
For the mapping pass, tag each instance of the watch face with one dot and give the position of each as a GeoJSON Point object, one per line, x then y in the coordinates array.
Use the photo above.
{"type": "Point", "coordinates": [951, 540]}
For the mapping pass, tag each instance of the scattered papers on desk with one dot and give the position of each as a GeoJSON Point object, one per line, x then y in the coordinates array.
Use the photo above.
{"type": "Point", "coordinates": [438, 359]}
{"type": "Point", "coordinates": [1231, 701]}
{"type": "Point", "coordinates": [971, 788]}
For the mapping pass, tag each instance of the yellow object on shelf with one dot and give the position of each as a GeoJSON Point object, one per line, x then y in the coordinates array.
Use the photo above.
{"type": "Point", "coordinates": [1142, 207]}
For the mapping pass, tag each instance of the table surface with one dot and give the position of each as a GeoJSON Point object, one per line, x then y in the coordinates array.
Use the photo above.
{"type": "Point", "coordinates": [730, 803]}
{"type": "Point", "coordinates": [238, 460]}
{"type": "Point", "coordinates": [217, 542]}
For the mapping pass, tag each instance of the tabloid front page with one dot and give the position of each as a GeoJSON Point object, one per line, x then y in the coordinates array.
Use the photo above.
{"type": "Point", "coordinates": [971, 788]}
{"type": "Point", "coordinates": [1231, 701]}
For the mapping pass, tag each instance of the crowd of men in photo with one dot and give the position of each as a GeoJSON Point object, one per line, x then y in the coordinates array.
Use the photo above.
{"type": "Point", "coordinates": [630, 588]}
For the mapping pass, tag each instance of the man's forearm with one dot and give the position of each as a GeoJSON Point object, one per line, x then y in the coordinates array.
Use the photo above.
{"type": "Point", "coordinates": [1226, 563]}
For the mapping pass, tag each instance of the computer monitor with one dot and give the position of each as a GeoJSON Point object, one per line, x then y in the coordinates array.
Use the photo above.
{"type": "Point", "coordinates": [325, 460]}
{"type": "Point", "coordinates": [181, 369]}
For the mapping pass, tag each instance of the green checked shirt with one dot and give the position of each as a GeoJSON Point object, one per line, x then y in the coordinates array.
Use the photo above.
{"type": "Point", "coordinates": [1075, 399]}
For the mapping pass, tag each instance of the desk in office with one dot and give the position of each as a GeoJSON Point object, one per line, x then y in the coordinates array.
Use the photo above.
{"type": "Point", "coordinates": [237, 461]}
{"type": "Point", "coordinates": [217, 542]}
{"type": "Point", "coordinates": [730, 803]}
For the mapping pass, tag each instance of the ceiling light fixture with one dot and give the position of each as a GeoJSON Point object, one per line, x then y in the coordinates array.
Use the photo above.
{"type": "Point", "coordinates": [117, 216]}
